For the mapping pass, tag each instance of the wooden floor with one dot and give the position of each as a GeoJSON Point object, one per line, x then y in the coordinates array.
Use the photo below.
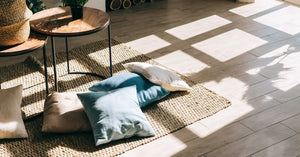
{"type": "Point", "coordinates": [248, 53]}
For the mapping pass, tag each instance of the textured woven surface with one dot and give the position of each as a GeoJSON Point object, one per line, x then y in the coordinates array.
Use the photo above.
{"type": "Point", "coordinates": [172, 113]}
{"type": "Point", "coordinates": [31, 75]}
{"type": "Point", "coordinates": [15, 33]}
{"type": "Point", "coordinates": [14, 22]}
{"type": "Point", "coordinates": [13, 11]}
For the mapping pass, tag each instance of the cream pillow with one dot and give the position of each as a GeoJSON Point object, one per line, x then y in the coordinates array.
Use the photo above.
{"type": "Point", "coordinates": [158, 75]}
{"type": "Point", "coordinates": [63, 112]}
{"type": "Point", "coordinates": [11, 122]}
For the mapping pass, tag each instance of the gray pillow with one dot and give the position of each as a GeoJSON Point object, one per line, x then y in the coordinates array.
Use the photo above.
{"type": "Point", "coordinates": [147, 92]}
{"type": "Point", "coordinates": [115, 115]}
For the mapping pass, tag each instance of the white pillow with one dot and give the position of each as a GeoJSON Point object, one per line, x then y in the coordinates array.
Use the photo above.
{"type": "Point", "coordinates": [158, 75]}
{"type": "Point", "coordinates": [11, 122]}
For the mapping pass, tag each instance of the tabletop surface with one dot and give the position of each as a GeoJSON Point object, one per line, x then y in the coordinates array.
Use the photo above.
{"type": "Point", "coordinates": [58, 22]}
{"type": "Point", "coordinates": [34, 42]}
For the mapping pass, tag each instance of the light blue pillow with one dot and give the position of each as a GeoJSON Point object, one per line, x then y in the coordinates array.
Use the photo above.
{"type": "Point", "coordinates": [115, 115]}
{"type": "Point", "coordinates": [147, 92]}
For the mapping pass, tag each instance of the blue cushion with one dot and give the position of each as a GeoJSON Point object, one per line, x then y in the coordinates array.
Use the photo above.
{"type": "Point", "coordinates": [115, 115]}
{"type": "Point", "coordinates": [147, 92]}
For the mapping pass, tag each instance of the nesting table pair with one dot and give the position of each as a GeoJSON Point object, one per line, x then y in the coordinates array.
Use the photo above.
{"type": "Point", "coordinates": [57, 22]}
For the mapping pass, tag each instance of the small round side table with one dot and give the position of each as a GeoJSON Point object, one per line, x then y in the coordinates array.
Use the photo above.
{"type": "Point", "coordinates": [57, 22]}
{"type": "Point", "coordinates": [34, 42]}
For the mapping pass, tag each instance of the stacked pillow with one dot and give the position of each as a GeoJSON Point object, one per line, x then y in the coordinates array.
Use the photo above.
{"type": "Point", "coordinates": [115, 115]}
{"type": "Point", "coordinates": [158, 75]}
{"type": "Point", "coordinates": [147, 92]}
{"type": "Point", "coordinates": [113, 109]}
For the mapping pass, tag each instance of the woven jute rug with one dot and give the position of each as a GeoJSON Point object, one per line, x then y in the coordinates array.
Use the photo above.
{"type": "Point", "coordinates": [176, 111]}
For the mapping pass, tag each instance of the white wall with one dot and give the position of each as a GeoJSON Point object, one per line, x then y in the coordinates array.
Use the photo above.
{"type": "Point", "coordinates": [247, 1]}
{"type": "Point", "coordinates": [98, 4]}
{"type": "Point", "coordinates": [52, 3]}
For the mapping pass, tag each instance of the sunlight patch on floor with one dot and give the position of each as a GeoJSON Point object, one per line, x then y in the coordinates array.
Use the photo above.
{"type": "Point", "coordinates": [168, 145]}
{"type": "Point", "coordinates": [272, 60]}
{"type": "Point", "coordinates": [199, 129]}
{"type": "Point", "coordinates": [277, 52]}
{"type": "Point", "coordinates": [6, 150]}
{"type": "Point", "coordinates": [74, 66]}
{"type": "Point", "coordinates": [99, 59]}
{"type": "Point", "coordinates": [254, 8]}
{"type": "Point", "coordinates": [36, 88]}
{"type": "Point", "coordinates": [82, 86]}
{"type": "Point", "coordinates": [198, 27]}
{"type": "Point", "coordinates": [148, 44]}
{"type": "Point", "coordinates": [289, 77]}
{"type": "Point", "coordinates": [228, 87]}
{"type": "Point", "coordinates": [287, 82]}
{"type": "Point", "coordinates": [227, 116]}
{"type": "Point", "coordinates": [169, 150]}
{"type": "Point", "coordinates": [182, 62]}
{"type": "Point", "coordinates": [278, 55]}
{"type": "Point", "coordinates": [56, 150]}
{"type": "Point", "coordinates": [26, 80]}
{"type": "Point", "coordinates": [286, 20]}
{"type": "Point", "coordinates": [29, 106]}
{"type": "Point", "coordinates": [282, 65]}
{"type": "Point", "coordinates": [229, 45]}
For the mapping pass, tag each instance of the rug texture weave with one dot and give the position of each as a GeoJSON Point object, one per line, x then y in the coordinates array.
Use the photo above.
{"type": "Point", "coordinates": [176, 111]}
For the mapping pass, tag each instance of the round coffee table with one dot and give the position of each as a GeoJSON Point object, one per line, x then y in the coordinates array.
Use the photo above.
{"type": "Point", "coordinates": [34, 42]}
{"type": "Point", "coordinates": [57, 22]}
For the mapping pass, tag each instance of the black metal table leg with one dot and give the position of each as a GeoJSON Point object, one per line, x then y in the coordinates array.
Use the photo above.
{"type": "Point", "coordinates": [76, 72]}
{"type": "Point", "coordinates": [109, 48]}
{"type": "Point", "coordinates": [54, 63]}
{"type": "Point", "coordinates": [45, 66]}
{"type": "Point", "coordinates": [67, 52]}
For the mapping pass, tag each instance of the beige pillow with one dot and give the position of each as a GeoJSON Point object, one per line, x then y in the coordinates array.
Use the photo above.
{"type": "Point", "coordinates": [63, 112]}
{"type": "Point", "coordinates": [158, 75]}
{"type": "Point", "coordinates": [11, 122]}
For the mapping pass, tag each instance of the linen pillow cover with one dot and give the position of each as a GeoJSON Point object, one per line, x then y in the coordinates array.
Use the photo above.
{"type": "Point", "coordinates": [11, 122]}
{"type": "Point", "coordinates": [115, 115]}
{"type": "Point", "coordinates": [147, 92]}
{"type": "Point", "coordinates": [158, 75]}
{"type": "Point", "coordinates": [63, 112]}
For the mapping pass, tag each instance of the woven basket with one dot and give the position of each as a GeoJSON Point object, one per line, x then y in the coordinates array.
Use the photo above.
{"type": "Point", "coordinates": [13, 11]}
{"type": "Point", "coordinates": [14, 34]}
{"type": "Point", "coordinates": [14, 22]}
